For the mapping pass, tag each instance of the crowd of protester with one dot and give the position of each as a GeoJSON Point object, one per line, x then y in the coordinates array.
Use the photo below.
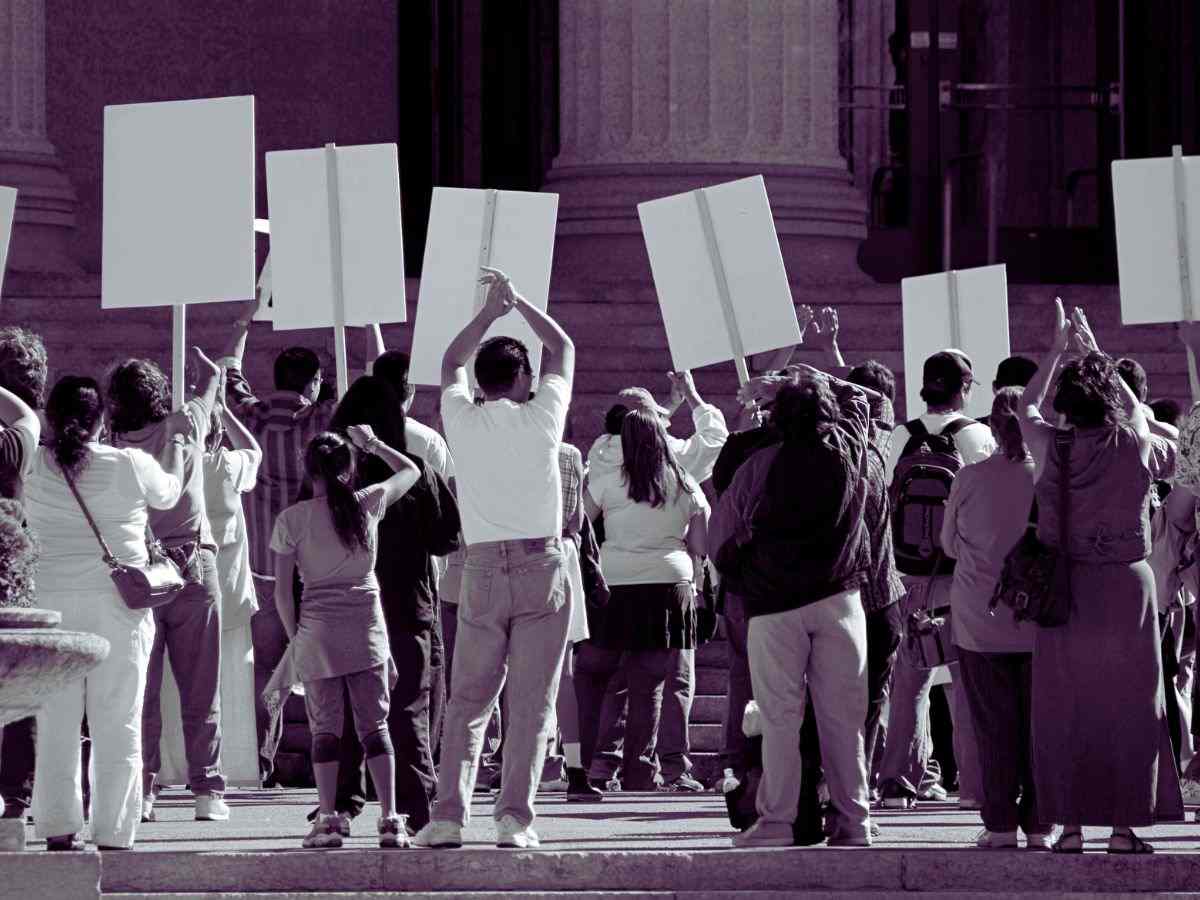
{"type": "Point", "coordinates": [493, 608]}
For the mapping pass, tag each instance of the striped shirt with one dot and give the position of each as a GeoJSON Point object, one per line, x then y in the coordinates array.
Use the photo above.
{"type": "Point", "coordinates": [570, 465]}
{"type": "Point", "coordinates": [12, 461]}
{"type": "Point", "coordinates": [283, 422]}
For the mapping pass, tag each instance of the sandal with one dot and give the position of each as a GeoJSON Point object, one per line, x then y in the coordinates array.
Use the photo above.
{"type": "Point", "coordinates": [1061, 845]}
{"type": "Point", "coordinates": [65, 843]}
{"type": "Point", "coordinates": [1137, 846]}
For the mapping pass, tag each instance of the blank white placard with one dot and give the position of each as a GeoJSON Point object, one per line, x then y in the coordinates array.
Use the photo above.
{"type": "Point", "coordinates": [983, 325]}
{"type": "Point", "coordinates": [684, 278]}
{"type": "Point", "coordinates": [178, 203]}
{"type": "Point", "coordinates": [8, 209]}
{"type": "Point", "coordinates": [372, 240]}
{"type": "Point", "coordinates": [522, 247]}
{"type": "Point", "coordinates": [1147, 239]}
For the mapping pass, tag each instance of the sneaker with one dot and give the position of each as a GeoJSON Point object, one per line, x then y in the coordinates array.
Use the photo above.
{"type": "Point", "coordinates": [344, 819]}
{"type": "Point", "coordinates": [685, 783]}
{"type": "Point", "coordinates": [996, 840]}
{"type": "Point", "coordinates": [1039, 841]}
{"type": "Point", "coordinates": [324, 834]}
{"type": "Point", "coordinates": [211, 808]}
{"type": "Point", "coordinates": [392, 832]}
{"type": "Point", "coordinates": [896, 795]}
{"type": "Point", "coordinates": [438, 836]}
{"type": "Point", "coordinates": [512, 834]}
{"type": "Point", "coordinates": [764, 835]}
{"type": "Point", "coordinates": [148, 809]}
{"type": "Point", "coordinates": [1191, 791]}
{"type": "Point", "coordinates": [612, 785]}
{"type": "Point", "coordinates": [934, 792]}
{"type": "Point", "coordinates": [556, 786]}
{"type": "Point", "coordinates": [580, 790]}
{"type": "Point", "coordinates": [844, 839]}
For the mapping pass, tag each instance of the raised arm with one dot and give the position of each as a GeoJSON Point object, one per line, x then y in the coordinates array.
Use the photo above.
{"type": "Point", "coordinates": [555, 341]}
{"type": "Point", "coordinates": [499, 301]}
{"type": "Point", "coordinates": [235, 347]}
{"type": "Point", "coordinates": [375, 348]}
{"type": "Point", "coordinates": [208, 378]}
{"type": "Point", "coordinates": [240, 437]}
{"type": "Point", "coordinates": [406, 471]}
{"type": "Point", "coordinates": [20, 416]}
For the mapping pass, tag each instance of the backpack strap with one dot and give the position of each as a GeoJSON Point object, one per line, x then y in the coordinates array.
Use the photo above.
{"type": "Point", "coordinates": [956, 426]}
{"type": "Point", "coordinates": [916, 428]}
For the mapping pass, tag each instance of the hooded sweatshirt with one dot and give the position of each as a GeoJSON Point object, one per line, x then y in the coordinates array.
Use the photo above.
{"type": "Point", "coordinates": [696, 455]}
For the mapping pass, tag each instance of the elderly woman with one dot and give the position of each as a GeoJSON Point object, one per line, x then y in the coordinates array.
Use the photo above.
{"type": "Point", "coordinates": [118, 489]}
{"type": "Point", "coordinates": [1102, 751]}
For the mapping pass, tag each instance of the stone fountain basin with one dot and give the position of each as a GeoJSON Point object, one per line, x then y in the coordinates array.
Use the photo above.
{"type": "Point", "coordinates": [36, 659]}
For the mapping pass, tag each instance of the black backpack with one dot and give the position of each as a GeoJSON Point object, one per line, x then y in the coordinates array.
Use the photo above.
{"type": "Point", "coordinates": [918, 493]}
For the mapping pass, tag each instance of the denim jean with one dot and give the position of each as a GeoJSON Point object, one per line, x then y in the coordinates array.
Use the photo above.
{"type": "Point", "coordinates": [604, 716]}
{"type": "Point", "coordinates": [189, 629]}
{"type": "Point", "coordinates": [512, 631]}
{"type": "Point", "coordinates": [489, 759]}
{"type": "Point", "coordinates": [270, 643]}
{"type": "Point", "coordinates": [884, 630]}
{"type": "Point", "coordinates": [673, 743]}
{"type": "Point", "coordinates": [739, 692]}
{"type": "Point", "coordinates": [646, 672]}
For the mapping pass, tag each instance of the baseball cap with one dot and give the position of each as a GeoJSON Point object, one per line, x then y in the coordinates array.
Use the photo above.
{"type": "Point", "coordinates": [642, 398]}
{"type": "Point", "coordinates": [947, 370]}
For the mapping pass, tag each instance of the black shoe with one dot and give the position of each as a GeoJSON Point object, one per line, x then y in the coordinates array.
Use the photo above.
{"type": "Point", "coordinates": [65, 843]}
{"type": "Point", "coordinates": [580, 790]}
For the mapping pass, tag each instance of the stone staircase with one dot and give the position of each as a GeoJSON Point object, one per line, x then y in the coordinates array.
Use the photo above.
{"type": "Point", "coordinates": [706, 727]}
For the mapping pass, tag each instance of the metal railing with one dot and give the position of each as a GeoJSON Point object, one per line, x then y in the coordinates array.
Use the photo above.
{"type": "Point", "coordinates": [978, 95]}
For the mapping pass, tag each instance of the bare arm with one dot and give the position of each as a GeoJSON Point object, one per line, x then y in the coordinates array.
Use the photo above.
{"type": "Point", "coordinates": [285, 603]}
{"type": "Point", "coordinates": [454, 360]}
{"type": "Point", "coordinates": [236, 345]}
{"type": "Point", "coordinates": [406, 471]}
{"type": "Point", "coordinates": [19, 414]}
{"type": "Point", "coordinates": [208, 378]}
{"type": "Point", "coordinates": [240, 437]}
{"type": "Point", "coordinates": [375, 348]}
{"type": "Point", "coordinates": [697, 533]}
{"type": "Point", "coordinates": [556, 342]}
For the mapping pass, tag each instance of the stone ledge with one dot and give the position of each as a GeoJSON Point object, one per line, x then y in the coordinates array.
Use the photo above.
{"type": "Point", "coordinates": [61, 876]}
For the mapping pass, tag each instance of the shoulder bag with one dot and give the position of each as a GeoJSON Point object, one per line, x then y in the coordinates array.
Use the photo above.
{"type": "Point", "coordinates": [141, 587]}
{"type": "Point", "coordinates": [1035, 582]}
{"type": "Point", "coordinates": [927, 634]}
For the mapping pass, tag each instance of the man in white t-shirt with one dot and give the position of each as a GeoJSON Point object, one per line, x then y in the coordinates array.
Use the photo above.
{"type": "Point", "coordinates": [513, 615]}
{"type": "Point", "coordinates": [904, 775]}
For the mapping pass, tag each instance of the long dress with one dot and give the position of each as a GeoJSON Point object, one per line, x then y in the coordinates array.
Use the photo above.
{"type": "Point", "coordinates": [1101, 746]}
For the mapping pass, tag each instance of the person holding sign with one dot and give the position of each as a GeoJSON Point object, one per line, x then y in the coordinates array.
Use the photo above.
{"type": "Point", "coordinates": [513, 614]}
{"type": "Point", "coordinates": [189, 628]}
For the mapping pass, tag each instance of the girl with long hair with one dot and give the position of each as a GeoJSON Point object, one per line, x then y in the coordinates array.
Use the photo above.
{"type": "Point", "coordinates": [340, 644]}
{"type": "Point", "coordinates": [655, 519]}
{"type": "Point", "coordinates": [119, 487]}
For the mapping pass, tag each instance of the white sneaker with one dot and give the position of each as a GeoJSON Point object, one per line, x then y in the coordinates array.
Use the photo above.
{"type": "Point", "coordinates": [211, 808]}
{"type": "Point", "coordinates": [392, 832]}
{"type": "Point", "coordinates": [438, 836]}
{"type": "Point", "coordinates": [148, 814]}
{"type": "Point", "coordinates": [557, 786]}
{"type": "Point", "coordinates": [511, 833]}
{"type": "Point", "coordinates": [996, 840]}
{"type": "Point", "coordinates": [1040, 841]}
{"type": "Point", "coordinates": [760, 835]}
{"type": "Point", "coordinates": [324, 834]}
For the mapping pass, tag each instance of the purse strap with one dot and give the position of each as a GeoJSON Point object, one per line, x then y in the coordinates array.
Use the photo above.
{"type": "Point", "coordinates": [107, 556]}
{"type": "Point", "coordinates": [1063, 439]}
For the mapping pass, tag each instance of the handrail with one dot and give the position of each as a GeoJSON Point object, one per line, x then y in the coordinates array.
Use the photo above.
{"type": "Point", "coordinates": [993, 212]}
{"type": "Point", "coordinates": [1099, 96]}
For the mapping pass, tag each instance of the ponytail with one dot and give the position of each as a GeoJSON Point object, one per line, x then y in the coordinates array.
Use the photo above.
{"type": "Point", "coordinates": [330, 459]}
{"type": "Point", "coordinates": [1005, 424]}
{"type": "Point", "coordinates": [73, 412]}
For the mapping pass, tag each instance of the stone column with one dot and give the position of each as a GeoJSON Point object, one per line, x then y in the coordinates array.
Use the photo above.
{"type": "Point", "coordinates": [662, 96]}
{"type": "Point", "coordinates": [45, 217]}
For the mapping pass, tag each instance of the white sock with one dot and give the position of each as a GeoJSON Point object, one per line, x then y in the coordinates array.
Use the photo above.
{"type": "Point", "coordinates": [571, 752]}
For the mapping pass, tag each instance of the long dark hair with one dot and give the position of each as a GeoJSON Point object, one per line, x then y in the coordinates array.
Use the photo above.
{"type": "Point", "coordinates": [330, 459]}
{"type": "Point", "coordinates": [73, 411]}
{"type": "Point", "coordinates": [372, 401]}
{"type": "Point", "coordinates": [648, 458]}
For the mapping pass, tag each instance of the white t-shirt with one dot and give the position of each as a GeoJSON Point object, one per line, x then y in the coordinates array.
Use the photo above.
{"type": "Point", "coordinates": [974, 442]}
{"type": "Point", "coordinates": [506, 459]}
{"type": "Point", "coordinates": [644, 544]}
{"type": "Point", "coordinates": [430, 446]}
{"type": "Point", "coordinates": [118, 486]}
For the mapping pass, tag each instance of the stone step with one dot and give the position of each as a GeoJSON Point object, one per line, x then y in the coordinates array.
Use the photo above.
{"type": "Point", "coordinates": [716, 873]}
{"type": "Point", "coordinates": [711, 681]}
{"type": "Point", "coordinates": [708, 709]}
{"type": "Point", "coordinates": [713, 655]}
{"type": "Point", "coordinates": [645, 895]}
{"type": "Point", "coordinates": [706, 736]}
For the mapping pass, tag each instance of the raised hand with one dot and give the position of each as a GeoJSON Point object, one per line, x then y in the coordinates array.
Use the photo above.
{"type": "Point", "coordinates": [1085, 340]}
{"type": "Point", "coordinates": [825, 329]}
{"type": "Point", "coordinates": [761, 389]}
{"type": "Point", "coordinates": [1062, 327]}
{"type": "Point", "coordinates": [361, 435]}
{"type": "Point", "coordinates": [805, 317]}
{"type": "Point", "coordinates": [500, 296]}
{"type": "Point", "coordinates": [204, 365]}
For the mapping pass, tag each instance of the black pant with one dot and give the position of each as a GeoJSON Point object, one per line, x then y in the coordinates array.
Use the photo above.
{"type": "Point", "coordinates": [884, 628]}
{"type": "Point", "coordinates": [999, 687]}
{"type": "Point", "coordinates": [17, 762]}
{"type": "Point", "coordinates": [408, 726]}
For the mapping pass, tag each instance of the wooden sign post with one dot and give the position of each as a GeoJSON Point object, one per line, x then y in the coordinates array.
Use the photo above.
{"type": "Point", "coordinates": [963, 309]}
{"type": "Point", "coordinates": [337, 254]}
{"type": "Point", "coordinates": [468, 228]}
{"type": "Point", "coordinates": [740, 303]}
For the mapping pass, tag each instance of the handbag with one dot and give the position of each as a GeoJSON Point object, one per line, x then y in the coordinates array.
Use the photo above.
{"type": "Point", "coordinates": [927, 634]}
{"type": "Point", "coordinates": [141, 587]}
{"type": "Point", "coordinates": [1035, 582]}
{"type": "Point", "coordinates": [706, 605]}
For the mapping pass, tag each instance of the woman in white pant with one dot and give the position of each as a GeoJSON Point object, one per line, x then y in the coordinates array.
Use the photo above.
{"type": "Point", "coordinates": [118, 486]}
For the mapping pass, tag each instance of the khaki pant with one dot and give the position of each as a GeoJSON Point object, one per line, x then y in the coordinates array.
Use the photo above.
{"type": "Point", "coordinates": [823, 646]}
{"type": "Point", "coordinates": [512, 626]}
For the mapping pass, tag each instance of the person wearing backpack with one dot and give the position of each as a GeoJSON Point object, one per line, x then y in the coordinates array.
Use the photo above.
{"type": "Point", "coordinates": [925, 456]}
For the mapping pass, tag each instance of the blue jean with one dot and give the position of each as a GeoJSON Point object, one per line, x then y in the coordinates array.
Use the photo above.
{"type": "Point", "coordinates": [512, 630]}
{"type": "Point", "coordinates": [189, 629]}
{"type": "Point", "coordinates": [673, 741]}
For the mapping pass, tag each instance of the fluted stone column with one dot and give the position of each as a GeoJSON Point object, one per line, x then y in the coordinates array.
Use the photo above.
{"type": "Point", "coordinates": [45, 217]}
{"type": "Point", "coordinates": [662, 96]}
